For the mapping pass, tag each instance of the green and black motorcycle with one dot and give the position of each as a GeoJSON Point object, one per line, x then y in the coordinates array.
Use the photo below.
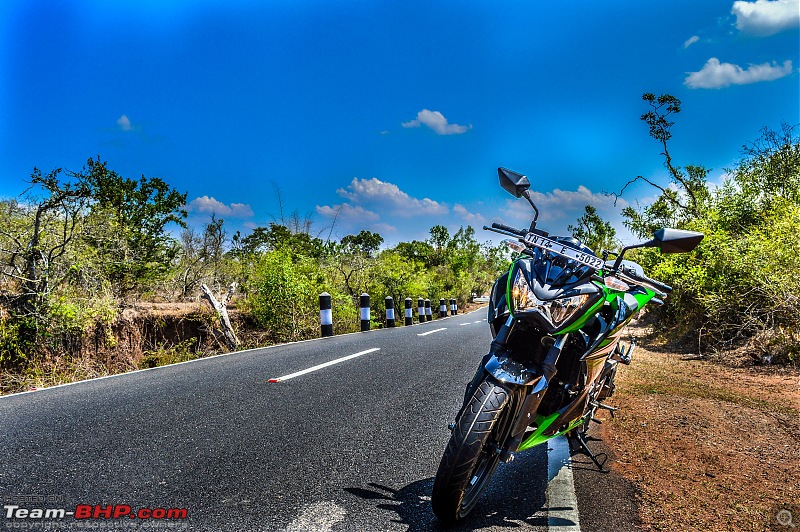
{"type": "Point", "coordinates": [557, 317]}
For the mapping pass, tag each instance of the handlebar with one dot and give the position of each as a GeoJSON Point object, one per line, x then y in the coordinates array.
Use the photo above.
{"type": "Point", "coordinates": [509, 229]}
{"type": "Point", "coordinates": [624, 272]}
{"type": "Point", "coordinates": [661, 286]}
{"type": "Point", "coordinates": [647, 280]}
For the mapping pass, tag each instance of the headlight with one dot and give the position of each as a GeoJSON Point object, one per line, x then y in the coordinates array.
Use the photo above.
{"type": "Point", "coordinates": [521, 294]}
{"type": "Point", "coordinates": [563, 309]}
{"type": "Point", "coordinates": [556, 311]}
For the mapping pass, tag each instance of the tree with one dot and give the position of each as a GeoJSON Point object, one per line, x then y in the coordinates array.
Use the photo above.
{"type": "Point", "coordinates": [686, 197]}
{"type": "Point", "coordinates": [202, 258]}
{"type": "Point", "coordinates": [365, 242]}
{"type": "Point", "coordinates": [36, 237]}
{"type": "Point", "coordinates": [416, 250]}
{"type": "Point", "coordinates": [595, 232]}
{"type": "Point", "coordinates": [296, 240]}
{"type": "Point", "coordinates": [128, 221]}
{"type": "Point", "coordinates": [439, 240]}
{"type": "Point", "coordinates": [770, 166]}
{"type": "Point", "coordinates": [191, 268]}
{"type": "Point", "coordinates": [739, 287]}
{"type": "Point", "coordinates": [214, 238]}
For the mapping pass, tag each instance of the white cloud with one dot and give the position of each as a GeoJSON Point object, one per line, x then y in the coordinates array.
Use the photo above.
{"type": "Point", "coordinates": [209, 205]}
{"type": "Point", "coordinates": [437, 122]}
{"type": "Point", "coordinates": [347, 212]}
{"type": "Point", "coordinates": [690, 41]}
{"type": "Point", "coordinates": [384, 228]}
{"type": "Point", "coordinates": [380, 206]}
{"type": "Point", "coordinates": [715, 75]}
{"type": "Point", "coordinates": [472, 218]}
{"type": "Point", "coordinates": [388, 196]}
{"type": "Point", "coordinates": [765, 17]}
{"type": "Point", "coordinates": [124, 123]}
{"type": "Point", "coordinates": [560, 208]}
{"type": "Point", "coordinates": [568, 199]}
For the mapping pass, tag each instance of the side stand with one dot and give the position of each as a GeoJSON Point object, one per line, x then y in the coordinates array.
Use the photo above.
{"type": "Point", "coordinates": [598, 459]}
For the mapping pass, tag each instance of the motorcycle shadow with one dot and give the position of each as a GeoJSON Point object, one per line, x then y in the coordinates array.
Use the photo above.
{"type": "Point", "coordinates": [514, 499]}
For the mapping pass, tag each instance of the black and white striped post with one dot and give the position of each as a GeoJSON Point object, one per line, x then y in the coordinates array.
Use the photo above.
{"type": "Point", "coordinates": [453, 307]}
{"type": "Point", "coordinates": [364, 304]}
{"type": "Point", "coordinates": [389, 311]}
{"type": "Point", "coordinates": [428, 311]}
{"type": "Point", "coordinates": [421, 309]}
{"type": "Point", "coordinates": [325, 314]}
{"type": "Point", "coordinates": [442, 308]}
{"type": "Point", "coordinates": [409, 312]}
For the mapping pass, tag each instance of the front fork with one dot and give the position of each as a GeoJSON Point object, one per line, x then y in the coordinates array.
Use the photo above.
{"type": "Point", "coordinates": [499, 364]}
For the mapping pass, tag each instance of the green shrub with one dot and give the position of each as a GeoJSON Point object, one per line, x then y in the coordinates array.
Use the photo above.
{"type": "Point", "coordinates": [283, 297]}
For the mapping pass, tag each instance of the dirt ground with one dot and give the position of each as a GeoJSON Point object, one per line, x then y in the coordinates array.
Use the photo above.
{"type": "Point", "coordinates": [708, 447]}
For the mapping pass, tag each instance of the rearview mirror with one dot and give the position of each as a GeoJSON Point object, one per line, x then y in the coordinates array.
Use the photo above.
{"type": "Point", "coordinates": [513, 182]}
{"type": "Point", "coordinates": [675, 240]}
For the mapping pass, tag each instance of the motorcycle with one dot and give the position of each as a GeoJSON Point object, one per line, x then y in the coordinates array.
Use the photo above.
{"type": "Point", "coordinates": [556, 317]}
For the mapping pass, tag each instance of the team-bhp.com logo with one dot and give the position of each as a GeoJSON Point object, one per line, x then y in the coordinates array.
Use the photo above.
{"type": "Point", "coordinates": [88, 511]}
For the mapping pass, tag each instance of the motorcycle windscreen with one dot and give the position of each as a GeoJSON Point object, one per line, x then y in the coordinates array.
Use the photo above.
{"type": "Point", "coordinates": [557, 270]}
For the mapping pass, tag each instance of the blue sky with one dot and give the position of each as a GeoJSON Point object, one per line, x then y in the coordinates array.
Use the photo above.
{"type": "Point", "coordinates": [388, 116]}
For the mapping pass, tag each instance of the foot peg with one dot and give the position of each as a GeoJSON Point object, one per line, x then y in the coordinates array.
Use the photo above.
{"type": "Point", "coordinates": [621, 356]}
{"type": "Point", "coordinates": [595, 404]}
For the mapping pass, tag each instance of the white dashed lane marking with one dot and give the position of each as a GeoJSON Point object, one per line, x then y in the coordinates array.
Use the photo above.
{"type": "Point", "coordinates": [433, 331]}
{"type": "Point", "coordinates": [325, 365]}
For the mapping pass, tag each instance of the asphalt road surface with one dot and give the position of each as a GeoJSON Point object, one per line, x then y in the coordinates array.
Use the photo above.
{"type": "Point", "coordinates": [352, 445]}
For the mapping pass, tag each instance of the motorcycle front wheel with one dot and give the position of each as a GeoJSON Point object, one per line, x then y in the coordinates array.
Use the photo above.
{"type": "Point", "coordinates": [473, 452]}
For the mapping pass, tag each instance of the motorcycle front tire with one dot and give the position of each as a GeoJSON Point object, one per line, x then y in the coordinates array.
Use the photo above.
{"type": "Point", "coordinates": [473, 452]}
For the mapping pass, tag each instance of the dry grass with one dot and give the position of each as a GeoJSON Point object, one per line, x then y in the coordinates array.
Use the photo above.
{"type": "Point", "coordinates": [52, 371]}
{"type": "Point", "coordinates": [709, 447]}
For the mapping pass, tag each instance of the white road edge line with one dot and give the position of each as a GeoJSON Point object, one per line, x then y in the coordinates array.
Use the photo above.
{"type": "Point", "coordinates": [325, 365]}
{"type": "Point", "coordinates": [562, 503]}
{"type": "Point", "coordinates": [431, 332]}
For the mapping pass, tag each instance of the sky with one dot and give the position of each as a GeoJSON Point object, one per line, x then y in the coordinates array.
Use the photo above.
{"type": "Point", "coordinates": [389, 116]}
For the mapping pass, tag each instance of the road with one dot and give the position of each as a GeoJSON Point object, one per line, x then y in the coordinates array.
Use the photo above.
{"type": "Point", "coordinates": [352, 445]}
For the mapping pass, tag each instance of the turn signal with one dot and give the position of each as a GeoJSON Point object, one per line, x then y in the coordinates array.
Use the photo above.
{"type": "Point", "coordinates": [515, 245]}
{"type": "Point", "coordinates": [616, 284]}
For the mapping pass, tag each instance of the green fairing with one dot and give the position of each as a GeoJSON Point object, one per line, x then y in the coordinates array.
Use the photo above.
{"type": "Point", "coordinates": [583, 319]}
{"type": "Point", "coordinates": [644, 299]}
{"type": "Point", "coordinates": [509, 301]}
{"type": "Point", "coordinates": [544, 422]}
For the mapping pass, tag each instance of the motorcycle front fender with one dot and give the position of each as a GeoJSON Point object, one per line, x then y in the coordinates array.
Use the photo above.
{"type": "Point", "coordinates": [504, 369]}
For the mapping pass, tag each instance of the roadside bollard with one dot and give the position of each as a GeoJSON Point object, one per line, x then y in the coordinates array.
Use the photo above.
{"type": "Point", "coordinates": [428, 311]}
{"type": "Point", "coordinates": [421, 309]}
{"type": "Point", "coordinates": [325, 314]}
{"type": "Point", "coordinates": [442, 309]}
{"type": "Point", "coordinates": [453, 307]}
{"type": "Point", "coordinates": [409, 312]}
{"type": "Point", "coordinates": [364, 304]}
{"type": "Point", "coordinates": [389, 311]}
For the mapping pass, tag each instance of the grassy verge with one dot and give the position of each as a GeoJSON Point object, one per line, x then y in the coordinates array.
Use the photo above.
{"type": "Point", "coordinates": [708, 447]}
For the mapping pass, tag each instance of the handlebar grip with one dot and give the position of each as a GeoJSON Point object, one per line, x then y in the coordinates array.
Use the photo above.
{"type": "Point", "coordinates": [661, 286]}
{"type": "Point", "coordinates": [645, 279]}
{"type": "Point", "coordinates": [509, 229]}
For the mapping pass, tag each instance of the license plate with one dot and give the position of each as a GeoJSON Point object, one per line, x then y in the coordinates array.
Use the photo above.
{"type": "Point", "coordinates": [552, 246]}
